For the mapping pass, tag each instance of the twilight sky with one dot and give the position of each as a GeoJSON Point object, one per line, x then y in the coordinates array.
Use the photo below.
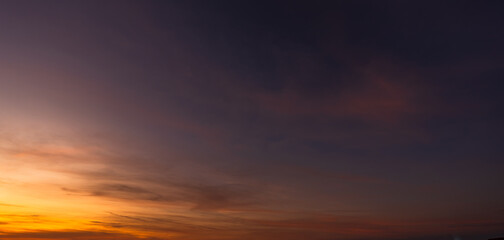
{"type": "Point", "coordinates": [251, 120]}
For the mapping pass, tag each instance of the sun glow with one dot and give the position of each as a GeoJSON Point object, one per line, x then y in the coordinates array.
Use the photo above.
{"type": "Point", "coordinates": [32, 190]}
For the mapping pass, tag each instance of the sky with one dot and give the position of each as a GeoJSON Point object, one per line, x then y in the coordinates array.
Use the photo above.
{"type": "Point", "coordinates": [251, 120]}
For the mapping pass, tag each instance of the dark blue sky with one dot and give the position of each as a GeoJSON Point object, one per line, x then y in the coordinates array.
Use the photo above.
{"type": "Point", "coordinates": [251, 119]}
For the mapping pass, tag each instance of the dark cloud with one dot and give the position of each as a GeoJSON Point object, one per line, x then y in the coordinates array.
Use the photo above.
{"type": "Point", "coordinates": [221, 196]}
{"type": "Point", "coordinates": [161, 223]}
{"type": "Point", "coordinates": [301, 226]}
{"type": "Point", "coordinates": [202, 197]}
{"type": "Point", "coordinates": [125, 191]}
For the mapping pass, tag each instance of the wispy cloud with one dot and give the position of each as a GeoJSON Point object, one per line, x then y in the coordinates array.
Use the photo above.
{"type": "Point", "coordinates": [9, 205]}
{"type": "Point", "coordinates": [202, 197]}
{"type": "Point", "coordinates": [68, 234]}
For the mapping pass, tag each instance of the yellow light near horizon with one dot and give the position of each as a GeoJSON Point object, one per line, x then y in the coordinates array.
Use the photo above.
{"type": "Point", "coordinates": [33, 199]}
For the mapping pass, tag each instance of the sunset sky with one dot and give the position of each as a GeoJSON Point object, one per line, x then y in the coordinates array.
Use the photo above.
{"type": "Point", "coordinates": [251, 120]}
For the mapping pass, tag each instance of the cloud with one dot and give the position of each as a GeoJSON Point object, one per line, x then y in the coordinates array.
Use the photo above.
{"type": "Point", "coordinates": [67, 234]}
{"type": "Point", "coordinates": [326, 226]}
{"type": "Point", "coordinates": [380, 92]}
{"type": "Point", "coordinates": [200, 196]}
{"type": "Point", "coordinates": [159, 222]}
{"type": "Point", "coordinates": [15, 219]}
{"type": "Point", "coordinates": [285, 225]}
{"type": "Point", "coordinates": [9, 205]}
{"type": "Point", "coordinates": [126, 192]}
{"type": "Point", "coordinates": [229, 196]}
